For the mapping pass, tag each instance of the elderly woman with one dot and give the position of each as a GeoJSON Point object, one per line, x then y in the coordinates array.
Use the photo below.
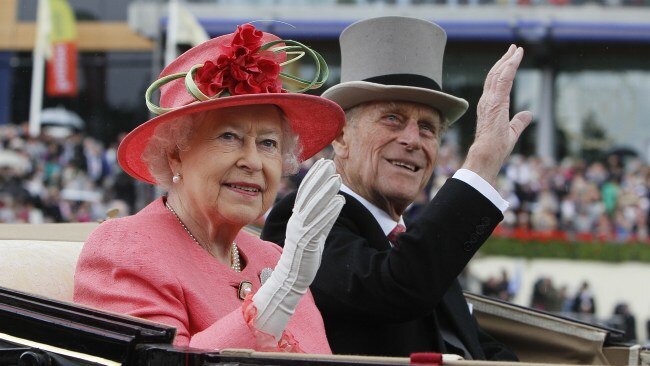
{"type": "Point", "coordinates": [227, 131]}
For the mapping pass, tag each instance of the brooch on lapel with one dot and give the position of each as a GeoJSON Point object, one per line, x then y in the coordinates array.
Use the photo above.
{"type": "Point", "coordinates": [265, 274]}
{"type": "Point", "coordinates": [245, 288]}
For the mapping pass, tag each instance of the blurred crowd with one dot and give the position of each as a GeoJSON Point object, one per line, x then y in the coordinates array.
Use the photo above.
{"type": "Point", "coordinates": [76, 178]}
{"type": "Point", "coordinates": [605, 200]}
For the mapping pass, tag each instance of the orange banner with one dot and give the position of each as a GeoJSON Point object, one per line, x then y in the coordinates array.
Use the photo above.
{"type": "Point", "coordinates": [62, 70]}
{"type": "Point", "coordinates": [62, 61]}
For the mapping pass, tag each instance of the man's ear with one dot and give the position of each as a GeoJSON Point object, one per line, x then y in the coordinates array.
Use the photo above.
{"type": "Point", "coordinates": [341, 144]}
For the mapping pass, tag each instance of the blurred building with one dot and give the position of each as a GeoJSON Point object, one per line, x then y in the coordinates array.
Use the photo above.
{"type": "Point", "coordinates": [586, 73]}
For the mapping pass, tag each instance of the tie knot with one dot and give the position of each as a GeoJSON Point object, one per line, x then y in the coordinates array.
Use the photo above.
{"type": "Point", "coordinates": [392, 236]}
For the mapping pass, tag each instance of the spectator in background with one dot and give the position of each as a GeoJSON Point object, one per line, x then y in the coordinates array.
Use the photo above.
{"type": "Point", "coordinates": [584, 302]}
{"type": "Point", "coordinates": [625, 320]}
{"type": "Point", "coordinates": [498, 288]}
{"type": "Point", "coordinates": [610, 192]}
{"type": "Point", "coordinates": [545, 296]}
{"type": "Point", "coordinates": [490, 287]}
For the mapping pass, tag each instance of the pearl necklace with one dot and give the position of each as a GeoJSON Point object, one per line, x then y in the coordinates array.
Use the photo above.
{"type": "Point", "coordinates": [235, 262]}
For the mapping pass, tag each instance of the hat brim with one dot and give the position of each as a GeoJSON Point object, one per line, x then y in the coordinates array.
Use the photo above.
{"type": "Point", "coordinates": [351, 93]}
{"type": "Point", "coordinates": [315, 120]}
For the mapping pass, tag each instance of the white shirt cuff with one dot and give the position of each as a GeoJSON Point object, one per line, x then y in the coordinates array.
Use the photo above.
{"type": "Point", "coordinates": [483, 187]}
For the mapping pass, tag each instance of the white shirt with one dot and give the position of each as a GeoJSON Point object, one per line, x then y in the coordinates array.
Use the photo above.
{"type": "Point", "coordinates": [385, 221]}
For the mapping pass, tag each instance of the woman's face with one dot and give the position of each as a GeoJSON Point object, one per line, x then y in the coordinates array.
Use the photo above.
{"type": "Point", "coordinates": [232, 170]}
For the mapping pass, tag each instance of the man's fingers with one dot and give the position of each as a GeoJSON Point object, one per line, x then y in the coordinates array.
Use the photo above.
{"type": "Point", "coordinates": [519, 123]}
{"type": "Point", "coordinates": [493, 74]}
{"type": "Point", "coordinates": [507, 75]}
{"type": "Point", "coordinates": [505, 72]}
{"type": "Point", "coordinates": [495, 68]}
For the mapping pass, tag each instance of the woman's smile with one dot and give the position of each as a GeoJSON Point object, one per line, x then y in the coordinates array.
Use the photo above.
{"type": "Point", "coordinates": [247, 189]}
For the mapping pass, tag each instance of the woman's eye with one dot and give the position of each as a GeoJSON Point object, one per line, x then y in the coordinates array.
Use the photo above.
{"type": "Point", "coordinates": [270, 143]}
{"type": "Point", "coordinates": [228, 136]}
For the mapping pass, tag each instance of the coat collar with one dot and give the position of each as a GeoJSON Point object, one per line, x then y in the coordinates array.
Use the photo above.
{"type": "Point", "coordinates": [383, 219]}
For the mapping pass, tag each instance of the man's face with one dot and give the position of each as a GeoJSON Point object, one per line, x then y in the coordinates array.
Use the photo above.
{"type": "Point", "coordinates": [387, 152]}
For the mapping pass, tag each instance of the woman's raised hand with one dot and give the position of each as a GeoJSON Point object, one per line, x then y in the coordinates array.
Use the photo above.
{"type": "Point", "coordinates": [316, 208]}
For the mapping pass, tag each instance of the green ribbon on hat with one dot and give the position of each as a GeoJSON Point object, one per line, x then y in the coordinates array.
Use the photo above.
{"type": "Point", "coordinates": [299, 49]}
{"type": "Point", "coordinates": [292, 48]}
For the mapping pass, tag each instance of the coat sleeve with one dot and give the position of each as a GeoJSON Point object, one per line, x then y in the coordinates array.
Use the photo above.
{"type": "Point", "coordinates": [359, 280]}
{"type": "Point", "coordinates": [114, 274]}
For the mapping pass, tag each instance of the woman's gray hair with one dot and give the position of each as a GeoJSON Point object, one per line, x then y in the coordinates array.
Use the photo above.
{"type": "Point", "coordinates": [177, 134]}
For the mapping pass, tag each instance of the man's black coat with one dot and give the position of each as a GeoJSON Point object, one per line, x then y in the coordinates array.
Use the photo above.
{"type": "Point", "coordinates": [381, 301]}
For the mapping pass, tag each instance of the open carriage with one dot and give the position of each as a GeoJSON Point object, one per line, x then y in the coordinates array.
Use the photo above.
{"type": "Point", "coordinates": [39, 324]}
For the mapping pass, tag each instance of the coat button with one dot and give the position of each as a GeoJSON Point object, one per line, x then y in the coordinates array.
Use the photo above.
{"type": "Point", "coordinates": [467, 246]}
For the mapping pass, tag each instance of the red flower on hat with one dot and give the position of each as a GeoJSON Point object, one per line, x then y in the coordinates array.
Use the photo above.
{"type": "Point", "coordinates": [242, 69]}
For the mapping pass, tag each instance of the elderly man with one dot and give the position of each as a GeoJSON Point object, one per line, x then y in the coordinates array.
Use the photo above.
{"type": "Point", "coordinates": [386, 294]}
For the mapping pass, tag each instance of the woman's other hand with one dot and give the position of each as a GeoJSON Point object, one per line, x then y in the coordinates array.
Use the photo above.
{"type": "Point", "coordinates": [317, 206]}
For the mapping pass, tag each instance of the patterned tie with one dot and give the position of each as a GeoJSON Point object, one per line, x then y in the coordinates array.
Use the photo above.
{"type": "Point", "coordinates": [392, 236]}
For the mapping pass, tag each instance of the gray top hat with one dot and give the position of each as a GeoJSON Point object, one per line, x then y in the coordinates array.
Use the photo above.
{"type": "Point", "coordinates": [394, 59]}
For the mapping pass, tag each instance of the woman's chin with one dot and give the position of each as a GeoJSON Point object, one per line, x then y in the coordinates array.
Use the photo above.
{"type": "Point", "coordinates": [241, 217]}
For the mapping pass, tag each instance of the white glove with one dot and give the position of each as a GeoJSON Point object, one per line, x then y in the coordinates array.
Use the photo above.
{"type": "Point", "coordinates": [316, 208]}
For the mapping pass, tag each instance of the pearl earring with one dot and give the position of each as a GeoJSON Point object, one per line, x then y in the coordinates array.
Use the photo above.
{"type": "Point", "coordinates": [176, 178]}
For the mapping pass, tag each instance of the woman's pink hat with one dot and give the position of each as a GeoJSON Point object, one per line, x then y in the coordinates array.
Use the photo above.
{"type": "Point", "coordinates": [237, 69]}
